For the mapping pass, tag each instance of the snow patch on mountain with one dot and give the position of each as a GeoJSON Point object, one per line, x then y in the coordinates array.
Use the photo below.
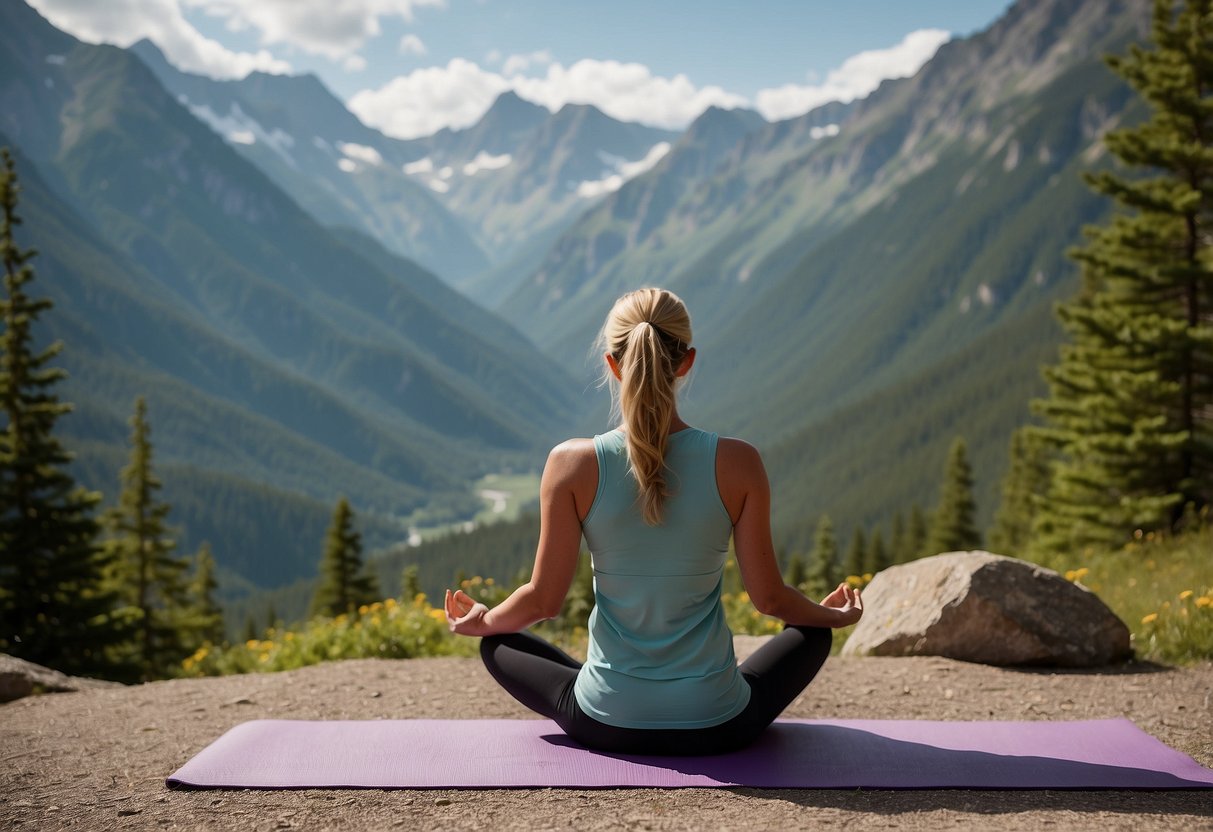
{"type": "Point", "coordinates": [624, 170]}
{"type": "Point", "coordinates": [237, 127]}
{"type": "Point", "coordinates": [360, 153]}
{"type": "Point", "coordinates": [486, 161]}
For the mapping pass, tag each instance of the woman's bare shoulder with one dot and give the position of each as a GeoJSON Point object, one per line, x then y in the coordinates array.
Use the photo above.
{"type": "Point", "coordinates": [573, 458]}
{"type": "Point", "coordinates": [737, 453]}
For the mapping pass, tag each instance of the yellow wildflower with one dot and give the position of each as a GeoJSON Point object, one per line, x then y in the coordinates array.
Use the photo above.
{"type": "Point", "coordinates": [1150, 619]}
{"type": "Point", "coordinates": [252, 644]}
{"type": "Point", "coordinates": [1204, 601]}
{"type": "Point", "coordinates": [364, 609]}
{"type": "Point", "coordinates": [438, 615]}
{"type": "Point", "coordinates": [1186, 594]}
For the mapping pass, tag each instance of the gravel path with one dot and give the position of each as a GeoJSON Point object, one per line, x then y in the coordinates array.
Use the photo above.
{"type": "Point", "coordinates": [97, 759]}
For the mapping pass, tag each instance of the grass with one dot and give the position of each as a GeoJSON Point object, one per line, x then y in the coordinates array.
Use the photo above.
{"type": "Point", "coordinates": [1161, 588]}
{"type": "Point", "coordinates": [504, 496]}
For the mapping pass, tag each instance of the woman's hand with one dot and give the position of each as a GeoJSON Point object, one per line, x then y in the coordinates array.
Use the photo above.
{"type": "Point", "coordinates": [847, 601]}
{"type": "Point", "coordinates": [464, 616]}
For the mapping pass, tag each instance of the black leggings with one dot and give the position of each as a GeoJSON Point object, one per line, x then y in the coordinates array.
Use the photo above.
{"type": "Point", "coordinates": [541, 677]}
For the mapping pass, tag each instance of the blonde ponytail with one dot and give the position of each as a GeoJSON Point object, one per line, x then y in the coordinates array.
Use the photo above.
{"type": "Point", "coordinates": [648, 332]}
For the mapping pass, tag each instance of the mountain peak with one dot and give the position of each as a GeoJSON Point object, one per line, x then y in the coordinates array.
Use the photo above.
{"type": "Point", "coordinates": [149, 52]}
{"type": "Point", "coordinates": [716, 115]}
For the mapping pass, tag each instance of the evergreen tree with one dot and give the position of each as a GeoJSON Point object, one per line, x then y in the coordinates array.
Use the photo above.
{"type": "Point", "coordinates": [144, 570]}
{"type": "Point", "coordinates": [206, 616]}
{"type": "Point", "coordinates": [1130, 407]}
{"type": "Point", "coordinates": [54, 609]}
{"type": "Point", "coordinates": [953, 527]}
{"type": "Point", "coordinates": [579, 602]}
{"type": "Point", "coordinates": [1026, 480]}
{"type": "Point", "coordinates": [876, 556]}
{"type": "Point", "coordinates": [852, 564]}
{"type": "Point", "coordinates": [796, 573]}
{"type": "Point", "coordinates": [410, 583]}
{"type": "Point", "coordinates": [899, 543]}
{"type": "Point", "coordinates": [916, 534]}
{"type": "Point", "coordinates": [823, 562]}
{"type": "Point", "coordinates": [250, 628]}
{"type": "Point", "coordinates": [344, 585]}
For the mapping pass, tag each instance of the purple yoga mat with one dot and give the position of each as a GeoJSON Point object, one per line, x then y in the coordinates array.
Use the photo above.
{"type": "Point", "coordinates": [805, 754]}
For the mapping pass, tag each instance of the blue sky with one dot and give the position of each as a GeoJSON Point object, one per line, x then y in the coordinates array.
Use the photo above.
{"type": "Point", "coordinates": [412, 66]}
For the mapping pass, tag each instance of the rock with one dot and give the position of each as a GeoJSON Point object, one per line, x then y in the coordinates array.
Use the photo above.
{"type": "Point", "coordinates": [19, 678]}
{"type": "Point", "coordinates": [985, 608]}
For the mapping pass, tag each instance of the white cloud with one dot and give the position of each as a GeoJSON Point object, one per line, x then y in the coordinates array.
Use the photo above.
{"type": "Point", "coordinates": [493, 56]}
{"type": "Point", "coordinates": [122, 22]}
{"type": "Point", "coordinates": [823, 132]}
{"type": "Point", "coordinates": [347, 165]}
{"type": "Point", "coordinates": [361, 152]}
{"type": "Point", "coordinates": [410, 44]}
{"type": "Point", "coordinates": [426, 100]}
{"type": "Point", "coordinates": [457, 95]}
{"type": "Point", "coordinates": [515, 64]}
{"type": "Point", "coordinates": [626, 91]}
{"type": "Point", "coordinates": [319, 27]}
{"type": "Point", "coordinates": [858, 76]}
{"type": "Point", "coordinates": [484, 161]}
{"type": "Point", "coordinates": [354, 63]}
{"type": "Point", "coordinates": [624, 171]}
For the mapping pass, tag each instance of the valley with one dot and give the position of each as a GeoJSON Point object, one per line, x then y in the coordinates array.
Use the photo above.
{"type": "Point", "coordinates": [315, 309]}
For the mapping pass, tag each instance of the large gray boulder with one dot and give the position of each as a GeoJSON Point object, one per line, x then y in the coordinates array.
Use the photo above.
{"type": "Point", "coordinates": [19, 678]}
{"type": "Point", "coordinates": [980, 607]}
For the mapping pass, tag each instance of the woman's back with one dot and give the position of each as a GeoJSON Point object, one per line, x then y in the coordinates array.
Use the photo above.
{"type": "Point", "coordinates": [660, 653]}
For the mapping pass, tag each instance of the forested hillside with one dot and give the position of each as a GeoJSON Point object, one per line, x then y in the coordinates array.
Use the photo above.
{"type": "Point", "coordinates": [283, 364]}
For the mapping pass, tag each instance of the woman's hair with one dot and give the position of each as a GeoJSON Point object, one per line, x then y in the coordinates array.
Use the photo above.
{"type": "Point", "coordinates": [649, 333]}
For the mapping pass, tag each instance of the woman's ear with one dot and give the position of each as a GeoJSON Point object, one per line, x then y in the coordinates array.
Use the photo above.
{"type": "Point", "coordinates": [614, 365]}
{"type": "Point", "coordinates": [688, 361]}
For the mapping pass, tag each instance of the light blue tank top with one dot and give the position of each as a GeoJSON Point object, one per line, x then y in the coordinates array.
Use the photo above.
{"type": "Point", "coordinates": [660, 652]}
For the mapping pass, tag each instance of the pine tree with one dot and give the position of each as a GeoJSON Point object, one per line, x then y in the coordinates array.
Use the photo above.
{"type": "Point", "coordinates": [344, 585]}
{"type": "Point", "coordinates": [1130, 407]}
{"type": "Point", "coordinates": [899, 543]}
{"type": "Point", "coordinates": [852, 564]}
{"type": "Point", "coordinates": [54, 609]}
{"type": "Point", "coordinates": [206, 616]}
{"type": "Point", "coordinates": [876, 556]}
{"type": "Point", "coordinates": [823, 562]}
{"type": "Point", "coordinates": [144, 570]}
{"type": "Point", "coordinates": [410, 583]}
{"type": "Point", "coordinates": [1026, 480]}
{"type": "Point", "coordinates": [579, 603]}
{"type": "Point", "coordinates": [916, 534]}
{"type": "Point", "coordinates": [795, 575]}
{"type": "Point", "coordinates": [953, 527]}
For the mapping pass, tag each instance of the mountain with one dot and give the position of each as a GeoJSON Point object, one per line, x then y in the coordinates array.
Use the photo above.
{"type": "Point", "coordinates": [612, 247]}
{"type": "Point", "coordinates": [502, 129]}
{"type": "Point", "coordinates": [521, 175]}
{"type": "Point", "coordinates": [283, 363]}
{"type": "Point", "coordinates": [339, 170]}
{"type": "Point", "coordinates": [880, 278]}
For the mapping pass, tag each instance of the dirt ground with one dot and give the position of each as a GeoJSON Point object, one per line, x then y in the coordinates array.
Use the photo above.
{"type": "Point", "coordinates": [97, 759]}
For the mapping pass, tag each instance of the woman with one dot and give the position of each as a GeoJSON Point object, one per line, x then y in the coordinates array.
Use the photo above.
{"type": "Point", "coordinates": [657, 501]}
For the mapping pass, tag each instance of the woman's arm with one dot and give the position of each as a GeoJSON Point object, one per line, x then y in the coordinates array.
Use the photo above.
{"type": "Point", "coordinates": [563, 500]}
{"type": "Point", "coordinates": [743, 484]}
